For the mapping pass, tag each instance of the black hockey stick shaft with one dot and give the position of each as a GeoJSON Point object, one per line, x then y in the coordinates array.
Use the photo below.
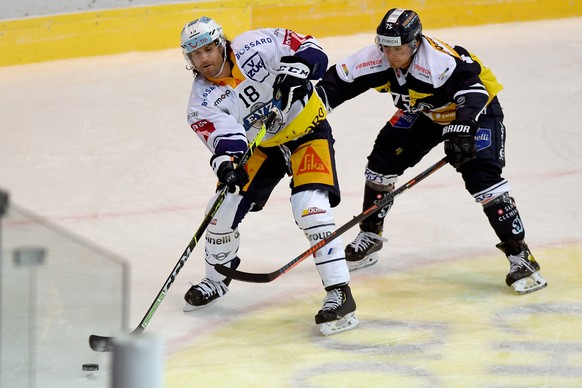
{"type": "Point", "coordinates": [105, 344]}
{"type": "Point", "coordinates": [379, 204]}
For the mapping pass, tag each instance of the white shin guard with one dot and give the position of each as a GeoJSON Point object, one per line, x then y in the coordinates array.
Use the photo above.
{"type": "Point", "coordinates": [222, 241]}
{"type": "Point", "coordinates": [313, 215]}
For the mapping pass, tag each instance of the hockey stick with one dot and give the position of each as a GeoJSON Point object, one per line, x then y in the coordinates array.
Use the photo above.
{"type": "Point", "coordinates": [379, 204]}
{"type": "Point", "coordinates": [105, 344]}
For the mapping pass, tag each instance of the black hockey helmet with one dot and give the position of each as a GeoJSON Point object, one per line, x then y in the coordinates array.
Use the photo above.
{"type": "Point", "coordinates": [399, 27]}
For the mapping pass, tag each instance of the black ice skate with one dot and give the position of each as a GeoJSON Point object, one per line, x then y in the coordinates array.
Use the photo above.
{"type": "Point", "coordinates": [338, 311]}
{"type": "Point", "coordinates": [207, 291]}
{"type": "Point", "coordinates": [363, 251]}
{"type": "Point", "coordinates": [524, 271]}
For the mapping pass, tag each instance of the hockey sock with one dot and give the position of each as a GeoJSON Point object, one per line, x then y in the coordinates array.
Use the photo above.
{"type": "Point", "coordinates": [375, 222]}
{"type": "Point", "coordinates": [504, 218]}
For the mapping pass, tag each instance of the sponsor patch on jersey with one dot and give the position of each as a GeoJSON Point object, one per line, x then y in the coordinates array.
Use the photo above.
{"type": "Point", "coordinates": [203, 128]}
{"type": "Point", "coordinates": [443, 74]}
{"type": "Point", "coordinates": [311, 211]}
{"type": "Point", "coordinates": [293, 40]}
{"type": "Point", "coordinates": [222, 97]}
{"type": "Point", "coordinates": [422, 70]}
{"type": "Point", "coordinates": [375, 62]}
{"type": "Point", "coordinates": [483, 138]}
{"type": "Point", "coordinates": [255, 69]}
{"type": "Point", "coordinates": [403, 119]}
{"type": "Point", "coordinates": [252, 44]}
{"type": "Point", "coordinates": [345, 69]}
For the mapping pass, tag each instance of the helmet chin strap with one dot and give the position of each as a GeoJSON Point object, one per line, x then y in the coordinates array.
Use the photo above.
{"type": "Point", "coordinates": [416, 46]}
{"type": "Point", "coordinates": [223, 61]}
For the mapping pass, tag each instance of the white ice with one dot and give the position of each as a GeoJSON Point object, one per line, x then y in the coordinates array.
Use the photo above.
{"type": "Point", "coordinates": [100, 146]}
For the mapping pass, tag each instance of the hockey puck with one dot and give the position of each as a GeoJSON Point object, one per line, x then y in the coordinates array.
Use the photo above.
{"type": "Point", "coordinates": [90, 367]}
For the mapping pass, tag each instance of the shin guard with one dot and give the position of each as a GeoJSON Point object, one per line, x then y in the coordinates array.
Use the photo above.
{"type": "Point", "coordinates": [314, 217]}
{"type": "Point", "coordinates": [504, 218]}
{"type": "Point", "coordinates": [377, 185]}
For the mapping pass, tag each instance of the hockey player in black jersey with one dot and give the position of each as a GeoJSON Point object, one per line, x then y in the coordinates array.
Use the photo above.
{"type": "Point", "coordinates": [442, 93]}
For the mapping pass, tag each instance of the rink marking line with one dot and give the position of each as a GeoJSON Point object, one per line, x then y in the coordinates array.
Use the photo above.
{"type": "Point", "coordinates": [95, 216]}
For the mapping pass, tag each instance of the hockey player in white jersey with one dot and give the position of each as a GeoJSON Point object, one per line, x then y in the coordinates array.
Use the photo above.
{"type": "Point", "coordinates": [236, 84]}
{"type": "Point", "coordinates": [442, 93]}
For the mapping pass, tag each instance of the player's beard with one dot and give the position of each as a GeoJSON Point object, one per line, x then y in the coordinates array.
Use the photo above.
{"type": "Point", "coordinates": [211, 71]}
{"type": "Point", "coordinates": [214, 68]}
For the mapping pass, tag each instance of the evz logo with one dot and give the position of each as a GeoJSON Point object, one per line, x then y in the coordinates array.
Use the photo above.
{"type": "Point", "coordinates": [257, 115]}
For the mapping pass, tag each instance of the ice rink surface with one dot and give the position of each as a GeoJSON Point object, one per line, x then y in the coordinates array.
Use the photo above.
{"type": "Point", "coordinates": [100, 146]}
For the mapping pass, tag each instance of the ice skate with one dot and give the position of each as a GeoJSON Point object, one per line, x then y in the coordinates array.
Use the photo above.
{"type": "Point", "coordinates": [205, 293]}
{"type": "Point", "coordinates": [338, 311]}
{"type": "Point", "coordinates": [524, 271]}
{"type": "Point", "coordinates": [363, 251]}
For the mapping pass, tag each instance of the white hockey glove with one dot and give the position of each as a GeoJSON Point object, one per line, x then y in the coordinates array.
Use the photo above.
{"type": "Point", "coordinates": [292, 83]}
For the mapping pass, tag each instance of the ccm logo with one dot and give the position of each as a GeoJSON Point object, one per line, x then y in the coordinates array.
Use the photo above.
{"type": "Point", "coordinates": [301, 71]}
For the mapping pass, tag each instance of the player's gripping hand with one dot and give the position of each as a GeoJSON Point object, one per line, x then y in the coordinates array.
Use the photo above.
{"type": "Point", "coordinates": [292, 83]}
{"type": "Point", "coordinates": [459, 138]}
{"type": "Point", "coordinates": [229, 173]}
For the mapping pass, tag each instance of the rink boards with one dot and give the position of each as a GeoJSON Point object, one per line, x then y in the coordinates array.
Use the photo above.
{"type": "Point", "coordinates": [150, 28]}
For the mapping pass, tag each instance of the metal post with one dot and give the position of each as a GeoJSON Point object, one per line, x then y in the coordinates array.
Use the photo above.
{"type": "Point", "coordinates": [3, 206]}
{"type": "Point", "coordinates": [31, 257]}
{"type": "Point", "coordinates": [137, 361]}
{"type": "Point", "coordinates": [3, 202]}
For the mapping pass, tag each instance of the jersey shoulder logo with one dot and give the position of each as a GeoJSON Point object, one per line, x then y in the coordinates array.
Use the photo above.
{"type": "Point", "coordinates": [294, 40]}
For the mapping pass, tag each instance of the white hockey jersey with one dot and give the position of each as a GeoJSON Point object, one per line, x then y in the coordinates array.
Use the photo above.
{"type": "Point", "coordinates": [226, 113]}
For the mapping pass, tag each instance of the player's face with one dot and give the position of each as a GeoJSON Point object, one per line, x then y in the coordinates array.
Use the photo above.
{"type": "Point", "coordinates": [399, 57]}
{"type": "Point", "coordinates": [208, 61]}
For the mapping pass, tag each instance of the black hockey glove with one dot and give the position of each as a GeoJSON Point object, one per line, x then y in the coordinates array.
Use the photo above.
{"type": "Point", "coordinates": [229, 173]}
{"type": "Point", "coordinates": [292, 83]}
{"type": "Point", "coordinates": [459, 138]}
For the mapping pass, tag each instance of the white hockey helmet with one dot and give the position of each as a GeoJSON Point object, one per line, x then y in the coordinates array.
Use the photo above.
{"type": "Point", "coordinates": [199, 33]}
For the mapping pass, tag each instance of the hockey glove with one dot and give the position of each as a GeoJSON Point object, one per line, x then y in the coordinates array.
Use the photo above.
{"type": "Point", "coordinates": [229, 173]}
{"type": "Point", "coordinates": [460, 144]}
{"type": "Point", "coordinates": [292, 83]}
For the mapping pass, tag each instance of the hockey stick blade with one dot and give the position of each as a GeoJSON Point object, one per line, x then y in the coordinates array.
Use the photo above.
{"type": "Point", "coordinates": [101, 343]}
{"type": "Point", "coordinates": [105, 344]}
{"type": "Point", "coordinates": [269, 277]}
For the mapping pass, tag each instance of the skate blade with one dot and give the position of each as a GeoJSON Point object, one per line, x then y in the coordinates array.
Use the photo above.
{"type": "Point", "coordinates": [367, 261]}
{"type": "Point", "coordinates": [347, 322]}
{"type": "Point", "coordinates": [530, 284]}
{"type": "Point", "coordinates": [188, 307]}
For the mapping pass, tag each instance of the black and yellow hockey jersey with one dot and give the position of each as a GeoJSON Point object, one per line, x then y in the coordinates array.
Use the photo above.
{"type": "Point", "coordinates": [443, 82]}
